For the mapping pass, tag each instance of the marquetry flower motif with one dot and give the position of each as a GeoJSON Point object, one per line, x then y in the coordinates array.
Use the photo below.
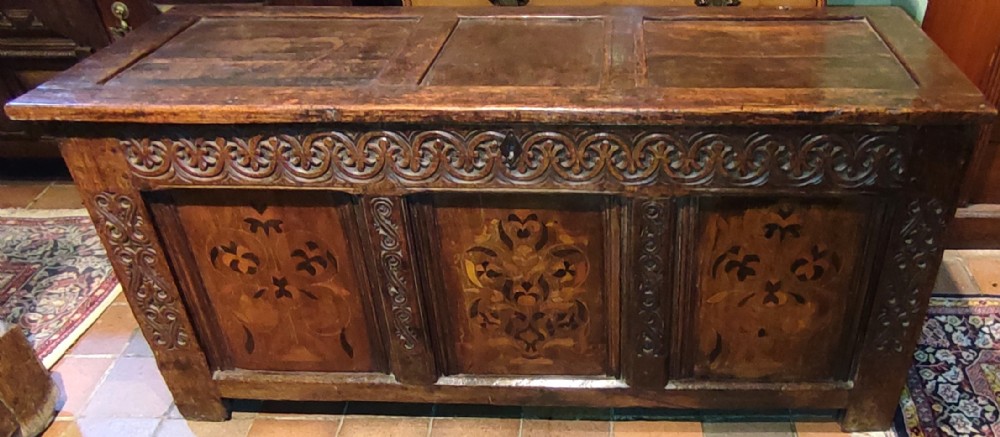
{"type": "Point", "coordinates": [279, 272]}
{"type": "Point", "coordinates": [525, 278]}
{"type": "Point", "coordinates": [775, 279]}
{"type": "Point", "coordinates": [742, 264]}
{"type": "Point", "coordinates": [782, 224]}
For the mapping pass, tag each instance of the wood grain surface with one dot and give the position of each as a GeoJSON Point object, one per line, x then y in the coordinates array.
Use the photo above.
{"type": "Point", "coordinates": [596, 65]}
{"type": "Point", "coordinates": [718, 208]}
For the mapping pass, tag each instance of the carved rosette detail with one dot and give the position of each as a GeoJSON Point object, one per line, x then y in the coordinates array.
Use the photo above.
{"type": "Point", "coordinates": [461, 158]}
{"type": "Point", "coordinates": [652, 225]}
{"type": "Point", "coordinates": [917, 248]}
{"type": "Point", "coordinates": [396, 271]}
{"type": "Point", "coordinates": [124, 229]}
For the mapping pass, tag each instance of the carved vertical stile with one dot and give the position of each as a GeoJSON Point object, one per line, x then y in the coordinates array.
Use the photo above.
{"type": "Point", "coordinates": [136, 253]}
{"type": "Point", "coordinates": [651, 264]}
{"type": "Point", "coordinates": [907, 278]}
{"type": "Point", "coordinates": [904, 282]}
{"type": "Point", "coordinates": [681, 289]}
{"type": "Point", "coordinates": [411, 357]}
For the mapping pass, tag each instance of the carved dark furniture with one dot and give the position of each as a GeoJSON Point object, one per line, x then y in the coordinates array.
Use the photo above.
{"type": "Point", "coordinates": [728, 209]}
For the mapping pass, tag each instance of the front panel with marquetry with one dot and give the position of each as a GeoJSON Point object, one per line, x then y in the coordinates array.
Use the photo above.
{"type": "Point", "coordinates": [276, 278]}
{"type": "Point", "coordinates": [522, 282]}
{"type": "Point", "coordinates": [775, 289]}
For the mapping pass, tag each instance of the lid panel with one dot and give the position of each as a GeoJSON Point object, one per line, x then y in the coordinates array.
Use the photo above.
{"type": "Point", "coordinates": [564, 52]}
{"type": "Point", "coordinates": [272, 52]}
{"type": "Point", "coordinates": [601, 65]}
{"type": "Point", "coordinates": [770, 54]}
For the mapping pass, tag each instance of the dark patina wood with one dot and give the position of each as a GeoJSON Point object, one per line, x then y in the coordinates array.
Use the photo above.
{"type": "Point", "coordinates": [27, 393]}
{"type": "Point", "coordinates": [656, 207]}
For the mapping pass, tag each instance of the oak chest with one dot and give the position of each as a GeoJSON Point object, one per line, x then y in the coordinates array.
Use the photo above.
{"type": "Point", "coordinates": [725, 209]}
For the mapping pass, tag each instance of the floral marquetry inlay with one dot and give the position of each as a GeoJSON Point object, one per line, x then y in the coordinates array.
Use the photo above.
{"type": "Point", "coordinates": [527, 287]}
{"type": "Point", "coordinates": [776, 281]}
{"type": "Point", "coordinates": [285, 292]}
{"type": "Point", "coordinates": [525, 278]}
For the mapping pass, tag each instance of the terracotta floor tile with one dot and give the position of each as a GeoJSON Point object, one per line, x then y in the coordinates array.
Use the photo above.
{"type": "Point", "coordinates": [288, 428]}
{"type": "Point", "coordinates": [137, 346]}
{"type": "Point", "coordinates": [642, 428]}
{"type": "Point", "coordinates": [109, 335]}
{"type": "Point", "coordinates": [374, 426]}
{"type": "Point", "coordinates": [985, 268]}
{"type": "Point", "coordinates": [77, 377]}
{"type": "Point", "coordinates": [819, 429]}
{"type": "Point", "coordinates": [747, 429]}
{"type": "Point", "coordinates": [475, 427]}
{"type": "Point", "coordinates": [954, 276]}
{"type": "Point", "coordinates": [62, 428]}
{"type": "Point", "coordinates": [20, 195]}
{"type": "Point", "coordinates": [120, 300]}
{"type": "Point", "coordinates": [107, 427]}
{"type": "Point", "coordinates": [831, 429]}
{"type": "Point", "coordinates": [567, 428]}
{"type": "Point", "coordinates": [183, 428]}
{"type": "Point", "coordinates": [133, 388]}
{"type": "Point", "coordinates": [59, 196]}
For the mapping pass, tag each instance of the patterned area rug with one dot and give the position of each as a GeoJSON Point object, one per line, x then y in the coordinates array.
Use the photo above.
{"type": "Point", "coordinates": [55, 279]}
{"type": "Point", "coordinates": [954, 383]}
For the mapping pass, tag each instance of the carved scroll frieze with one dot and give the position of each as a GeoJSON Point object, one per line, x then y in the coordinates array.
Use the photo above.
{"type": "Point", "coordinates": [125, 231]}
{"type": "Point", "coordinates": [917, 248]}
{"type": "Point", "coordinates": [396, 271]}
{"type": "Point", "coordinates": [571, 157]}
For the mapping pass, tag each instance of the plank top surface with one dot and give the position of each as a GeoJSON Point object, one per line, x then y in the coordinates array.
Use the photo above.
{"type": "Point", "coordinates": [246, 64]}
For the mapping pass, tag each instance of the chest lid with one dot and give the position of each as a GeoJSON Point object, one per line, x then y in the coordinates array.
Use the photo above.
{"type": "Point", "coordinates": [497, 65]}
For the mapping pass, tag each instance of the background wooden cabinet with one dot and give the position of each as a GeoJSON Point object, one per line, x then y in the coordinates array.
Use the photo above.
{"type": "Point", "coordinates": [969, 32]}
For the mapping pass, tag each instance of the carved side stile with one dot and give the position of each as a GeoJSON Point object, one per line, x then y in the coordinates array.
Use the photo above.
{"type": "Point", "coordinates": [123, 226]}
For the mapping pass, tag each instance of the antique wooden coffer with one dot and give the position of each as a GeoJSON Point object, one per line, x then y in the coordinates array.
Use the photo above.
{"type": "Point", "coordinates": [675, 208]}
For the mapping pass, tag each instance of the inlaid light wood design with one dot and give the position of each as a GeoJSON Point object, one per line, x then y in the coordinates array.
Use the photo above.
{"type": "Point", "coordinates": [721, 207]}
{"type": "Point", "coordinates": [280, 278]}
{"type": "Point", "coordinates": [777, 281]}
{"type": "Point", "coordinates": [524, 284]}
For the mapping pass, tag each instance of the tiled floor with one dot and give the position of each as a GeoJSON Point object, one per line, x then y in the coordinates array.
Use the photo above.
{"type": "Point", "coordinates": [111, 386]}
{"type": "Point", "coordinates": [39, 195]}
